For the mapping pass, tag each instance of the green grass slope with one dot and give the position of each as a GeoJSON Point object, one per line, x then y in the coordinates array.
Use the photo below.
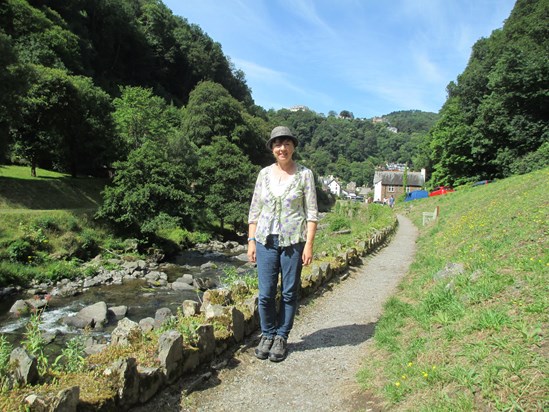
{"type": "Point", "coordinates": [46, 224]}
{"type": "Point", "coordinates": [467, 330]}
{"type": "Point", "coordinates": [47, 191]}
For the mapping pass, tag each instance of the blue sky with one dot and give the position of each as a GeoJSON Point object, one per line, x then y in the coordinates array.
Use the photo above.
{"type": "Point", "coordinates": [370, 57]}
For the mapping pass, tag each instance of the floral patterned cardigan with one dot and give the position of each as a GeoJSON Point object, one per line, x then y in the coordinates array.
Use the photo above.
{"type": "Point", "coordinates": [294, 208]}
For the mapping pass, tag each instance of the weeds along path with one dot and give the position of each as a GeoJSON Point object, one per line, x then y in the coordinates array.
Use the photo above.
{"type": "Point", "coordinates": [330, 337]}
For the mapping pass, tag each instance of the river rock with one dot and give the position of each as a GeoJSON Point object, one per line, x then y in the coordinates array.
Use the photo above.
{"type": "Point", "coordinates": [186, 278]}
{"type": "Point", "coordinates": [190, 308]}
{"type": "Point", "coordinates": [221, 296]}
{"type": "Point", "coordinates": [156, 278]}
{"type": "Point", "coordinates": [326, 271]}
{"type": "Point", "coordinates": [91, 346]}
{"type": "Point", "coordinates": [49, 337]}
{"type": "Point", "coordinates": [238, 324]}
{"type": "Point", "coordinates": [92, 281]}
{"type": "Point", "coordinates": [204, 283]}
{"type": "Point", "coordinates": [68, 289]}
{"type": "Point", "coordinates": [243, 257]}
{"type": "Point", "coordinates": [8, 290]}
{"type": "Point", "coordinates": [126, 332]}
{"type": "Point", "coordinates": [94, 316]}
{"type": "Point", "coordinates": [208, 265]}
{"type": "Point", "coordinates": [37, 304]}
{"type": "Point", "coordinates": [213, 311]}
{"type": "Point", "coordinates": [146, 324]}
{"type": "Point", "coordinates": [161, 315]}
{"type": "Point", "coordinates": [26, 366]}
{"type": "Point", "coordinates": [118, 312]}
{"type": "Point", "coordinates": [177, 285]}
{"type": "Point", "coordinates": [35, 403]}
{"type": "Point", "coordinates": [19, 308]}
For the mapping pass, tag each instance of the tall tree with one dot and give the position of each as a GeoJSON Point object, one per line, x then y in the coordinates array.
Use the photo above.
{"type": "Point", "coordinates": [496, 114]}
{"type": "Point", "coordinates": [149, 192]}
{"type": "Point", "coordinates": [13, 81]}
{"type": "Point", "coordinates": [43, 110]}
{"type": "Point", "coordinates": [212, 111]}
{"type": "Point", "coordinates": [87, 141]}
{"type": "Point", "coordinates": [140, 116]}
{"type": "Point", "coordinates": [226, 181]}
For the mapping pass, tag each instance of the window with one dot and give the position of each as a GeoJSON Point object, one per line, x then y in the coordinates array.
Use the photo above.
{"type": "Point", "coordinates": [391, 189]}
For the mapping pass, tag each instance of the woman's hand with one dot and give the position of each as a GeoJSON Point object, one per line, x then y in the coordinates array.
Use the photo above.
{"type": "Point", "coordinates": [307, 255]}
{"type": "Point", "coordinates": [251, 251]}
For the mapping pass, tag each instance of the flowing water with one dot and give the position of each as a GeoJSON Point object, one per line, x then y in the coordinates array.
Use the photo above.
{"type": "Point", "coordinates": [141, 300]}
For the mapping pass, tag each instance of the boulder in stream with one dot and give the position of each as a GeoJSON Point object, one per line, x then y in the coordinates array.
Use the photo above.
{"type": "Point", "coordinates": [19, 308]}
{"type": "Point", "coordinates": [93, 316]}
{"type": "Point", "coordinates": [118, 312]}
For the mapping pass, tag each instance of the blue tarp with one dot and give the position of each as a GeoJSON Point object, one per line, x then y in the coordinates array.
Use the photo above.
{"type": "Point", "coordinates": [418, 194]}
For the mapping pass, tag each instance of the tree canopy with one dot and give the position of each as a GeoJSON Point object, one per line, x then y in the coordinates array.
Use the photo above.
{"type": "Point", "coordinates": [496, 113]}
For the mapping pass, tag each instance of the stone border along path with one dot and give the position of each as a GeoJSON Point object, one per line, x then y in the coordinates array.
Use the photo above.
{"type": "Point", "coordinates": [331, 336]}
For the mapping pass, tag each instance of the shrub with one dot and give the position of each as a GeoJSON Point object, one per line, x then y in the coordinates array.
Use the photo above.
{"type": "Point", "coordinates": [20, 251]}
{"type": "Point", "coordinates": [12, 273]}
{"type": "Point", "coordinates": [63, 269]}
{"type": "Point", "coordinates": [47, 222]}
{"type": "Point", "coordinates": [72, 358]}
{"type": "Point", "coordinates": [183, 237]}
{"type": "Point", "coordinates": [339, 223]}
{"type": "Point", "coordinates": [5, 351]}
{"type": "Point", "coordinates": [80, 245]}
{"type": "Point", "coordinates": [88, 246]}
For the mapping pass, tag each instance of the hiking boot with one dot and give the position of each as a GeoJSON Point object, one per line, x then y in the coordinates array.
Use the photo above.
{"type": "Point", "coordinates": [279, 349]}
{"type": "Point", "coordinates": [262, 350]}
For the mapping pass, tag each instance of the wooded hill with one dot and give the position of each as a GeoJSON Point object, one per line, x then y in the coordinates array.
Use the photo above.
{"type": "Point", "coordinates": [91, 87]}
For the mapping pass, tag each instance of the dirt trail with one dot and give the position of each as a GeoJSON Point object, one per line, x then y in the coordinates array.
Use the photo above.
{"type": "Point", "coordinates": [331, 336]}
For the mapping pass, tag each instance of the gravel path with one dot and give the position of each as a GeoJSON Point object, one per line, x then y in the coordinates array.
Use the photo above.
{"type": "Point", "coordinates": [331, 335]}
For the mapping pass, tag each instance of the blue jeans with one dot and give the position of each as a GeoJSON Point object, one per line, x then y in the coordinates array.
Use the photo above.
{"type": "Point", "coordinates": [272, 260]}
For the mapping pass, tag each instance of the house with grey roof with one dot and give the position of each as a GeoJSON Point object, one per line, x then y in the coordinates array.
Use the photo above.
{"type": "Point", "coordinates": [390, 182]}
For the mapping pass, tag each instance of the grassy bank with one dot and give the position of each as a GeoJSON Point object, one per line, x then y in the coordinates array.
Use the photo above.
{"type": "Point", "coordinates": [47, 191]}
{"type": "Point", "coordinates": [467, 330]}
{"type": "Point", "coordinates": [46, 225]}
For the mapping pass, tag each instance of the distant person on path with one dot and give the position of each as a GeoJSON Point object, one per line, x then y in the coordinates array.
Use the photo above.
{"type": "Point", "coordinates": [392, 201]}
{"type": "Point", "coordinates": [282, 225]}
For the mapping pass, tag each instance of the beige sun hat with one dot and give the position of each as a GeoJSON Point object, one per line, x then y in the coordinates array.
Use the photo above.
{"type": "Point", "coordinates": [281, 131]}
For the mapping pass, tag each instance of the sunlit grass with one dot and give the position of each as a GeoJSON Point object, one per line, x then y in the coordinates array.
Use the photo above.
{"type": "Point", "coordinates": [483, 328]}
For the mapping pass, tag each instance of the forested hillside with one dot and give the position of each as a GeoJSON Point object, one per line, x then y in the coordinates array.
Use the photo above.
{"type": "Point", "coordinates": [126, 88]}
{"type": "Point", "coordinates": [352, 149]}
{"type": "Point", "coordinates": [495, 120]}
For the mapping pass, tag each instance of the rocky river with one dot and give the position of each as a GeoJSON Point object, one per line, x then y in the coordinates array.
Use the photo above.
{"type": "Point", "coordinates": [134, 289]}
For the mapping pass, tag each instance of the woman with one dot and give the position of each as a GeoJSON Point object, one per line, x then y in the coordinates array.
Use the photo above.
{"type": "Point", "coordinates": [282, 225]}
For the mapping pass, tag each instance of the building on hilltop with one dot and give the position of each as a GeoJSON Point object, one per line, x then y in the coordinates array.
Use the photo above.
{"type": "Point", "coordinates": [299, 108]}
{"type": "Point", "coordinates": [389, 183]}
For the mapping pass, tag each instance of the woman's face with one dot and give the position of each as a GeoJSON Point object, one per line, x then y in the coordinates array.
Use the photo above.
{"type": "Point", "coordinates": [283, 149]}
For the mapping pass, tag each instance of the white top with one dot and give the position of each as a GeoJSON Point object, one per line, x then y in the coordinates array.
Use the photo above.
{"type": "Point", "coordinates": [278, 187]}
